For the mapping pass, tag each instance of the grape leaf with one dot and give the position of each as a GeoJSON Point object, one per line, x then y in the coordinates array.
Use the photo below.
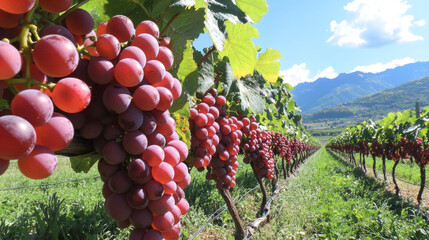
{"type": "Point", "coordinates": [248, 93]}
{"type": "Point", "coordinates": [268, 66]}
{"type": "Point", "coordinates": [83, 163]}
{"type": "Point", "coordinates": [217, 12]}
{"type": "Point", "coordinates": [187, 65]}
{"type": "Point", "coordinates": [206, 78]}
{"type": "Point", "coordinates": [239, 48]}
{"type": "Point", "coordinates": [253, 8]}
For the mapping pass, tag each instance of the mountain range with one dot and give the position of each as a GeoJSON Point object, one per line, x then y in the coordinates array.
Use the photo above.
{"type": "Point", "coordinates": [346, 87]}
{"type": "Point", "coordinates": [376, 105]}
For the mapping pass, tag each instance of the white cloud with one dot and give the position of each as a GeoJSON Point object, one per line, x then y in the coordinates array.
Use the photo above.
{"type": "Point", "coordinates": [328, 72]}
{"type": "Point", "coordinates": [375, 23]}
{"type": "Point", "coordinates": [380, 67]}
{"type": "Point", "coordinates": [299, 73]}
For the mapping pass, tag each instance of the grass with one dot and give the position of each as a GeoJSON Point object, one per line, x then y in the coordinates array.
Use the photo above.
{"type": "Point", "coordinates": [331, 199]}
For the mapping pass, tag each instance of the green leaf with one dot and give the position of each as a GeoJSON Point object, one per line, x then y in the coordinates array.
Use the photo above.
{"type": "Point", "coordinates": [239, 48]}
{"type": "Point", "coordinates": [268, 65]}
{"type": "Point", "coordinates": [227, 77]}
{"type": "Point", "coordinates": [253, 8]}
{"type": "Point", "coordinates": [217, 12]}
{"type": "Point", "coordinates": [248, 93]}
{"type": "Point", "coordinates": [83, 163]}
{"type": "Point", "coordinates": [206, 78]}
{"type": "Point", "coordinates": [187, 65]}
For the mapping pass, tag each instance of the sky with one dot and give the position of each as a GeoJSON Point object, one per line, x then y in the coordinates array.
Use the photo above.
{"type": "Point", "coordinates": [329, 37]}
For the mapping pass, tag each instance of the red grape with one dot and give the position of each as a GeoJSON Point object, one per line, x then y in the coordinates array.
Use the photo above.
{"type": "Point", "coordinates": [79, 22]}
{"type": "Point", "coordinates": [10, 61]}
{"type": "Point", "coordinates": [39, 164]}
{"type": "Point", "coordinates": [121, 27]}
{"type": "Point", "coordinates": [55, 55]}
{"type": "Point", "coordinates": [148, 27]}
{"type": "Point", "coordinates": [56, 134]}
{"type": "Point", "coordinates": [55, 6]}
{"type": "Point", "coordinates": [128, 72]}
{"type": "Point", "coordinates": [33, 105]}
{"type": "Point", "coordinates": [17, 137]}
{"type": "Point", "coordinates": [71, 95]}
{"type": "Point", "coordinates": [17, 7]}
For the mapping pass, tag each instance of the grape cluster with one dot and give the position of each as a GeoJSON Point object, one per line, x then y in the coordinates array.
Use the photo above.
{"type": "Point", "coordinates": [112, 87]}
{"type": "Point", "coordinates": [35, 126]}
{"type": "Point", "coordinates": [204, 128]}
{"type": "Point", "coordinates": [257, 149]}
{"type": "Point", "coordinates": [223, 167]}
{"type": "Point", "coordinates": [281, 147]}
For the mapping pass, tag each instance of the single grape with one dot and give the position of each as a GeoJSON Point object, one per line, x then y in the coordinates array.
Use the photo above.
{"type": "Point", "coordinates": [71, 95]}
{"type": "Point", "coordinates": [134, 142]}
{"type": "Point", "coordinates": [108, 46]}
{"type": "Point", "coordinates": [174, 232]}
{"type": "Point", "coordinates": [56, 134]}
{"type": "Point", "coordinates": [79, 22]}
{"type": "Point", "coordinates": [119, 182]}
{"type": "Point", "coordinates": [154, 189]}
{"type": "Point", "coordinates": [55, 55]}
{"type": "Point", "coordinates": [131, 119]}
{"type": "Point", "coordinates": [39, 164]}
{"type": "Point", "coordinates": [165, 56]}
{"type": "Point", "coordinates": [153, 155]}
{"type": "Point", "coordinates": [101, 28]}
{"type": "Point", "coordinates": [101, 70]}
{"type": "Point", "coordinates": [149, 27]}
{"type": "Point", "coordinates": [106, 170]}
{"type": "Point", "coordinates": [91, 129]}
{"type": "Point", "coordinates": [176, 90]}
{"type": "Point", "coordinates": [163, 222]}
{"type": "Point", "coordinates": [165, 99]}
{"type": "Point", "coordinates": [163, 173]}
{"type": "Point", "coordinates": [121, 27]}
{"type": "Point", "coordinates": [154, 71]}
{"type": "Point", "coordinates": [33, 105]}
{"type": "Point", "coordinates": [149, 123]}
{"type": "Point", "coordinates": [117, 207]}
{"type": "Point", "coordinates": [116, 98]}
{"type": "Point", "coordinates": [17, 137]}
{"type": "Point", "coordinates": [181, 147]}
{"type": "Point", "coordinates": [153, 235]}
{"type": "Point", "coordinates": [141, 218]}
{"type": "Point", "coordinates": [113, 153]}
{"type": "Point", "coordinates": [146, 97]}
{"type": "Point", "coordinates": [128, 72]}
{"type": "Point", "coordinates": [148, 44]}
{"type": "Point", "coordinates": [134, 53]}
{"type": "Point", "coordinates": [10, 61]}
{"type": "Point", "coordinates": [162, 205]}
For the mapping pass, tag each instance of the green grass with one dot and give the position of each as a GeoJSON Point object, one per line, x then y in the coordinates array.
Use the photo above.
{"type": "Point", "coordinates": [331, 199]}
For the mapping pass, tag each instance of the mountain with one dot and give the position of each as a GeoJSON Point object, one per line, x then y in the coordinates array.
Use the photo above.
{"type": "Point", "coordinates": [346, 87]}
{"type": "Point", "coordinates": [379, 104]}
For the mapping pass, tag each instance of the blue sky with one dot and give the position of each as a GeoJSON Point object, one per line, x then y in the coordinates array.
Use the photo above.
{"type": "Point", "coordinates": [325, 38]}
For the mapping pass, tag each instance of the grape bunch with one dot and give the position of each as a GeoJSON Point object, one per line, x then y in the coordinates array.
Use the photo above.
{"type": "Point", "coordinates": [257, 150]}
{"type": "Point", "coordinates": [204, 128]}
{"type": "Point", "coordinates": [223, 167]}
{"type": "Point", "coordinates": [35, 126]}
{"type": "Point", "coordinates": [281, 147]}
{"type": "Point", "coordinates": [110, 86]}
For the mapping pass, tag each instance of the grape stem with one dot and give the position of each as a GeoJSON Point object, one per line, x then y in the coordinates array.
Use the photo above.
{"type": "Point", "coordinates": [206, 55]}
{"type": "Point", "coordinates": [168, 24]}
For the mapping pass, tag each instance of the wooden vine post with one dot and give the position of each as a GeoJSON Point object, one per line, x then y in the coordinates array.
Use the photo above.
{"type": "Point", "coordinates": [374, 166]}
{"type": "Point", "coordinates": [384, 167]}
{"type": "Point", "coordinates": [263, 189]}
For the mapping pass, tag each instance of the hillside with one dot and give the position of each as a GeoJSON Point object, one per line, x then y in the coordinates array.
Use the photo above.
{"type": "Point", "coordinates": [376, 105]}
{"type": "Point", "coordinates": [324, 93]}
